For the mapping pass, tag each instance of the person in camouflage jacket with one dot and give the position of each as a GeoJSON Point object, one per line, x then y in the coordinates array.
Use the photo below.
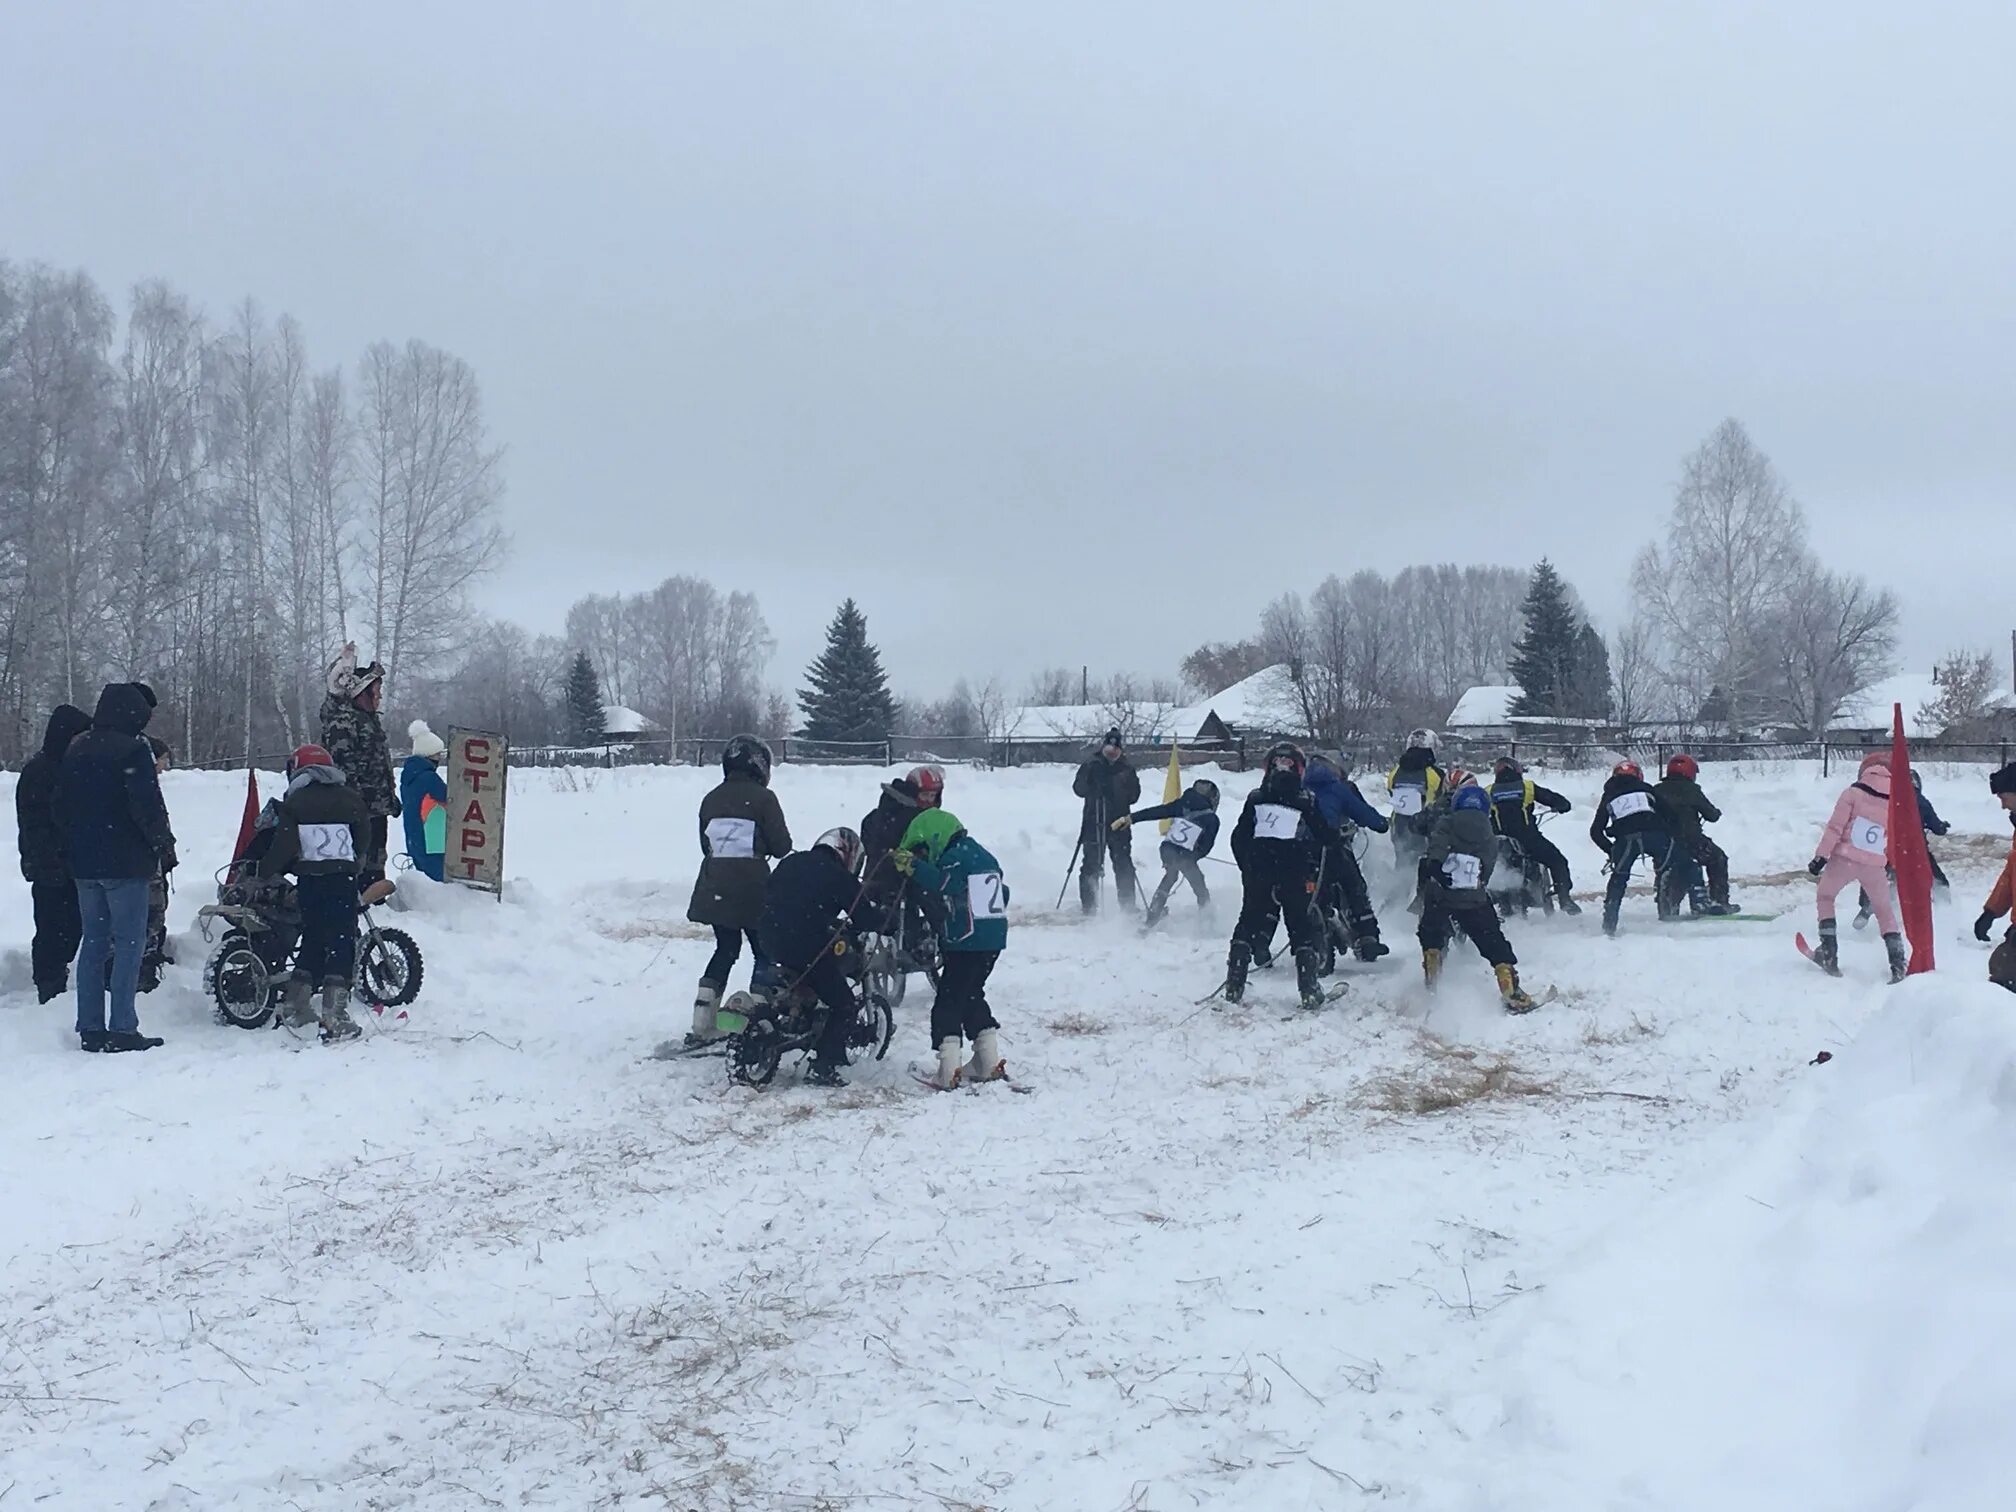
{"type": "Point", "coordinates": [354, 737]}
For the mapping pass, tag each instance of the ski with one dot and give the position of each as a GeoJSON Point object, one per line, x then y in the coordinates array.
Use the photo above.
{"type": "Point", "coordinates": [674, 1050]}
{"type": "Point", "coordinates": [930, 1084]}
{"type": "Point", "coordinates": [1807, 951]}
{"type": "Point", "coordinates": [1540, 1000]}
{"type": "Point", "coordinates": [1733, 918]}
{"type": "Point", "coordinates": [1331, 994]}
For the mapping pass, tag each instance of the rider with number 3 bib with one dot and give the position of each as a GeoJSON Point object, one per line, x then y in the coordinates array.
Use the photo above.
{"type": "Point", "coordinates": [1193, 830]}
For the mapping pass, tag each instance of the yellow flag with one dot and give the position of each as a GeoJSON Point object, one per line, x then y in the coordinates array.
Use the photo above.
{"type": "Point", "coordinates": [1172, 785]}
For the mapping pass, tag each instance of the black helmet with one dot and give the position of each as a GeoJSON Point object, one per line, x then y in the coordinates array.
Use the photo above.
{"type": "Point", "coordinates": [1506, 766]}
{"type": "Point", "coordinates": [1284, 756]}
{"type": "Point", "coordinates": [845, 844]}
{"type": "Point", "coordinates": [748, 755]}
{"type": "Point", "coordinates": [1206, 789]}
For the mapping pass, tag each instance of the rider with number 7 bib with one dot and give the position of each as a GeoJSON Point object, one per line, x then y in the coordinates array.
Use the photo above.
{"type": "Point", "coordinates": [945, 862]}
{"type": "Point", "coordinates": [1193, 830]}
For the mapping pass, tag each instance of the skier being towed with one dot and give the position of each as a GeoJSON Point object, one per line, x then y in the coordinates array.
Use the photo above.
{"type": "Point", "coordinates": [1280, 834]}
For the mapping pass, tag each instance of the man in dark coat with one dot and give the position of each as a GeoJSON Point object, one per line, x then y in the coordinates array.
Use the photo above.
{"type": "Point", "coordinates": [1110, 787]}
{"type": "Point", "coordinates": [354, 737]}
{"type": "Point", "coordinates": [742, 830]}
{"type": "Point", "coordinates": [116, 836]}
{"type": "Point", "coordinates": [50, 886]}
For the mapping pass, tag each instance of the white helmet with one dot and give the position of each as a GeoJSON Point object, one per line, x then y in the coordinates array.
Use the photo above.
{"type": "Point", "coordinates": [1423, 740]}
{"type": "Point", "coordinates": [845, 844]}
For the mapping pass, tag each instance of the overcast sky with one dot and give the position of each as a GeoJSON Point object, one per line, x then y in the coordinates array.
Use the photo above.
{"type": "Point", "coordinates": [1062, 333]}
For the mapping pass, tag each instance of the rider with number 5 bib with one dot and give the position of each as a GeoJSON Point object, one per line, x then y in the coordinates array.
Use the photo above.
{"type": "Point", "coordinates": [1417, 787]}
{"type": "Point", "coordinates": [1193, 830]}
{"type": "Point", "coordinates": [944, 862]}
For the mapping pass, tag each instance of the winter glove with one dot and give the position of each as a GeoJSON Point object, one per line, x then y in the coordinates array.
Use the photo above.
{"type": "Point", "coordinates": [904, 861]}
{"type": "Point", "coordinates": [1982, 925]}
{"type": "Point", "coordinates": [397, 807]}
{"type": "Point", "coordinates": [169, 861]}
{"type": "Point", "coordinates": [1940, 828]}
{"type": "Point", "coordinates": [1817, 865]}
{"type": "Point", "coordinates": [1124, 822]}
{"type": "Point", "coordinates": [1560, 805]}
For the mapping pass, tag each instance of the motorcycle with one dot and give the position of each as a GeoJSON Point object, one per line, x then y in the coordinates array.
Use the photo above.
{"type": "Point", "coordinates": [247, 971]}
{"type": "Point", "coordinates": [762, 1030]}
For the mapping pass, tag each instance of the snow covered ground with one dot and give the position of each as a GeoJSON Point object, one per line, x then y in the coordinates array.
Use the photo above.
{"type": "Point", "coordinates": [1629, 1252]}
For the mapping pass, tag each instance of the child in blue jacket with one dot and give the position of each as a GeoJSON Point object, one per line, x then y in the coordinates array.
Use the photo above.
{"type": "Point", "coordinates": [1193, 830]}
{"type": "Point", "coordinates": [423, 801]}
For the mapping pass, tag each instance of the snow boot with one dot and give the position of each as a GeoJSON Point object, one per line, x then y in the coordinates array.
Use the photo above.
{"type": "Point", "coordinates": [1827, 954]}
{"type": "Point", "coordinates": [337, 1025]}
{"type": "Point", "coordinates": [987, 1064]}
{"type": "Point", "coordinates": [1370, 948]}
{"type": "Point", "coordinates": [1517, 999]}
{"type": "Point", "coordinates": [1567, 901]}
{"type": "Point", "coordinates": [1309, 978]}
{"type": "Point", "coordinates": [1900, 958]}
{"type": "Point", "coordinates": [950, 1071]}
{"type": "Point", "coordinates": [1722, 910]}
{"type": "Point", "coordinates": [823, 1075]}
{"type": "Point", "coordinates": [91, 1041]}
{"type": "Point", "coordinates": [1431, 966]}
{"type": "Point", "coordinates": [1237, 960]}
{"type": "Point", "coordinates": [297, 1008]}
{"type": "Point", "coordinates": [121, 1040]}
{"type": "Point", "coordinates": [1863, 914]}
{"type": "Point", "coordinates": [706, 1005]}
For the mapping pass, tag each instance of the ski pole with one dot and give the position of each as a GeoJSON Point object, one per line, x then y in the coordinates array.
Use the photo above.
{"type": "Point", "coordinates": [1069, 870]}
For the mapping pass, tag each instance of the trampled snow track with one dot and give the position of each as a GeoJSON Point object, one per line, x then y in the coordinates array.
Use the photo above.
{"type": "Point", "coordinates": [1222, 1260]}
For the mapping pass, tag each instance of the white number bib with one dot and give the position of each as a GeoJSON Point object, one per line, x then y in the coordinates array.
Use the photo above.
{"type": "Point", "coordinates": [327, 842]}
{"type": "Point", "coordinates": [1276, 821]}
{"type": "Point", "coordinates": [987, 896]}
{"type": "Point", "coordinates": [1461, 871]}
{"type": "Point", "coordinates": [1184, 834]}
{"type": "Point", "coordinates": [731, 839]}
{"type": "Point", "coordinates": [1624, 805]}
{"type": "Point", "coordinates": [1868, 835]}
{"type": "Point", "coordinates": [1409, 800]}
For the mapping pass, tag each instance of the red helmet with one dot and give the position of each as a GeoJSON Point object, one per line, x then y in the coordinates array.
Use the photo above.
{"type": "Point", "coordinates": [1683, 765]}
{"type": "Point", "coordinates": [1627, 768]}
{"type": "Point", "coordinates": [307, 756]}
{"type": "Point", "coordinates": [930, 784]}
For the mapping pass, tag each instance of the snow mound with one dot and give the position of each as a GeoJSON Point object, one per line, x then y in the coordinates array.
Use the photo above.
{"type": "Point", "coordinates": [1828, 1322]}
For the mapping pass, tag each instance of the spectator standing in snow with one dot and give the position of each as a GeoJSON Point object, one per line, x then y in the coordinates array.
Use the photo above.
{"type": "Point", "coordinates": [1110, 787]}
{"type": "Point", "coordinates": [116, 835]}
{"type": "Point", "coordinates": [354, 737]}
{"type": "Point", "coordinates": [2002, 964]}
{"type": "Point", "coordinates": [423, 799]}
{"type": "Point", "coordinates": [44, 862]}
{"type": "Point", "coordinates": [742, 831]}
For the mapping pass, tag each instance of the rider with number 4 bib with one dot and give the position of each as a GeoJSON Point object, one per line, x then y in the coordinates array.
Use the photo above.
{"type": "Point", "coordinates": [1193, 830]}
{"type": "Point", "coordinates": [946, 863]}
{"type": "Point", "coordinates": [1279, 835]}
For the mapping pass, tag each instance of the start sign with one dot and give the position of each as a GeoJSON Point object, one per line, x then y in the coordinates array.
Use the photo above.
{"type": "Point", "coordinates": [476, 772]}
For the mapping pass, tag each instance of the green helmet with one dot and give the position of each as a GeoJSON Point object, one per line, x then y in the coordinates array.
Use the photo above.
{"type": "Point", "coordinates": [932, 830]}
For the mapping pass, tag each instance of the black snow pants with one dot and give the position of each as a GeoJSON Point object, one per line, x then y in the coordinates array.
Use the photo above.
{"type": "Point", "coordinates": [1100, 842]}
{"type": "Point", "coordinates": [328, 905]}
{"type": "Point", "coordinates": [961, 1007]}
{"type": "Point", "coordinates": [1478, 921]}
{"type": "Point", "coordinates": [59, 926]}
{"type": "Point", "coordinates": [1178, 865]}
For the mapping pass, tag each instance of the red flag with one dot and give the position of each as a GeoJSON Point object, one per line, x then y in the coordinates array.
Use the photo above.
{"type": "Point", "coordinates": [251, 819]}
{"type": "Point", "coordinates": [1908, 856]}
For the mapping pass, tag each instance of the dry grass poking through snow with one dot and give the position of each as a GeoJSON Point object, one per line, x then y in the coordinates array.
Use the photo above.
{"type": "Point", "coordinates": [1077, 1025]}
{"type": "Point", "coordinates": [1446, 1077]}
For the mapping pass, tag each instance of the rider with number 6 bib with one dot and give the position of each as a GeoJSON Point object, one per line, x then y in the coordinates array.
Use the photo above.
{"type": "Point", "coordinates": [1631, 822]}
{"type": "Point", "coordinates": [946, 863]}
{"type": "Point", "coordinates": [1276, 842]}
{"type": "Point", "coordinates": [1455, 874]}
{"type": "Point", "coordinates": [1193, 830]}
{"type": "Point", "coordinates": [803, 930]}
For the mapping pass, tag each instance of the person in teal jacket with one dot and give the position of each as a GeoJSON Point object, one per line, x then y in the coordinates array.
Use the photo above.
{"type": "Point", "coordinates": [423, 800]}
{"type": "Point", "coordinates": [949, 866]}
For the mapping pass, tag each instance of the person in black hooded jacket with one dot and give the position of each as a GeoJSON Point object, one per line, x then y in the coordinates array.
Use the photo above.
{"type": "Point", "coordinates": [1632, 821]}
{"type": "Point", "coordinates": [116, 835]}
{"type": "Point", "coordinates": [58, 926]}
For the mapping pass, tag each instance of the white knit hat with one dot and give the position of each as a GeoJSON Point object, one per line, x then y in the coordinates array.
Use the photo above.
{"type": "Point", "coordinates": [425, 741]}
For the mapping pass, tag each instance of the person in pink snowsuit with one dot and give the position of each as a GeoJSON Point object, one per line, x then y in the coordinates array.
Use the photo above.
{"type": "Point", "coordinates": [1854, 848]}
